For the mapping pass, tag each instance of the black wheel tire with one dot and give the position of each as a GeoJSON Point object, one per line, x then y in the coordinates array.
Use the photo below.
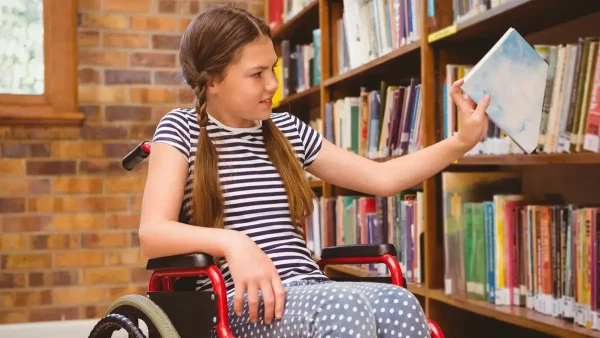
{"type": "Point", "coordinates": [114, 322]}
{"type": "Point", "coordinates": [133, 307]}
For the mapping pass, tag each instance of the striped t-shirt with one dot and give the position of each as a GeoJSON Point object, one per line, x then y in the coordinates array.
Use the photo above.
{"type": "Point", "coordinates": [255, 199]}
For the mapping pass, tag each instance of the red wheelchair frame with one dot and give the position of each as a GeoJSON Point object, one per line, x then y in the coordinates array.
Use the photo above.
{"type": "Point", "coordinates": [167, 270]}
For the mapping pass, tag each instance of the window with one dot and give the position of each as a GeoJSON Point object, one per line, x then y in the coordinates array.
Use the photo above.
{"type": "Point", "coordinates": [38, 60]}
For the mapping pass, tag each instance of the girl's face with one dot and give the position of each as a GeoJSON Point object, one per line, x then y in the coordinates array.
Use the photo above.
{"type": "Point", "coordinates": [244, 94]}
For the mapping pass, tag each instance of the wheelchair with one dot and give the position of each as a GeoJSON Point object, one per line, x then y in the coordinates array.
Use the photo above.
{"type": "Point", "coordinates": [173, 308]}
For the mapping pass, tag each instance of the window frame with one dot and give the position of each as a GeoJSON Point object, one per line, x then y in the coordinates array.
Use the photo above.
{"type": "Point", "coordinates": [59, 103]}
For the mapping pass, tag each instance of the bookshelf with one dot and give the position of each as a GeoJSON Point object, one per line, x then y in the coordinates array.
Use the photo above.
{"type": "Point", "coordinates": [538, 159]}
{"type": "Point", "coordinates": [370, 68]}
{"type": "Point", "coordinates": [574, 176]}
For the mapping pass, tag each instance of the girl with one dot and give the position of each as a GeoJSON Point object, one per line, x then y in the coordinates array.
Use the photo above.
{"type": "Point", "coordinates": [233, 170]}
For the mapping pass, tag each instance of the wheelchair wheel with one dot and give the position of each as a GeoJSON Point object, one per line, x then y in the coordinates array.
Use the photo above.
{"type": "Point", "coordinates": [124, 313]}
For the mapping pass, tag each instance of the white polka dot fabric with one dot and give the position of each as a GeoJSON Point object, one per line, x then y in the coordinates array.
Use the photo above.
{"type": "Point", "coordinates": [338, 309]}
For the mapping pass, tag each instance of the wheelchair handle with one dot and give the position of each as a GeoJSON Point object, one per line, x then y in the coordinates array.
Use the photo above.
{"type": "Point", "coordinates": [137, 155]}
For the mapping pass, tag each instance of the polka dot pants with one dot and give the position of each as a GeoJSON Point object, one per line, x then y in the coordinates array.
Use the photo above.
{"type": "Point", "coordinates": [338, 309]}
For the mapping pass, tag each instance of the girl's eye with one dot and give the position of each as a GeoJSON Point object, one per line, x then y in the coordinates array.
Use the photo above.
{"type": "Point", "coordinates": [257, 74]}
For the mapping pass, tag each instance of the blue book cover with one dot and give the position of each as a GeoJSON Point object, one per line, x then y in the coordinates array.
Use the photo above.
{"type": "Point", "coordinates": [317, 58]}
{"type": "Point", "coordinates": [515, 76]}
{"type": "Point", "coordinates": [488, 208]}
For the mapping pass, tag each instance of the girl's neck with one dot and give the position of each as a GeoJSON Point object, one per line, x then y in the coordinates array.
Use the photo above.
{"type": "Point", "coordinates": [230, 121]}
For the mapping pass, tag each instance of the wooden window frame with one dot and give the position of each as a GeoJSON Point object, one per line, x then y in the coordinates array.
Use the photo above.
{"type": "Point", "coordinates": [59, 103]}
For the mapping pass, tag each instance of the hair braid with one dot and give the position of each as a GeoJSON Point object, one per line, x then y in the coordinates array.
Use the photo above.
{"type": "Point", "coordinates": [206, 183]}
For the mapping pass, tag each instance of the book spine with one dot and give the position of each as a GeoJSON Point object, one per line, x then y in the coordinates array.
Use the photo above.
{"type": "Point", "coordinates": [489, 228]}
{"type": "Point", "coordinates": [548, 53]}
{"type": "Point", "coordinates": [591, 141]}
{"type": "Point", "coordinates": [565, 140]}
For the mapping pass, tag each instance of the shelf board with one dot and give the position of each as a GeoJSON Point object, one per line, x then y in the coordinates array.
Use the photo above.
{"type": "Point", "coordinates": [532, 159]}
{"type": "Point", "coordinates": [305, 95]}
{"type": "Point", "coordinates": [355, 271]}
{"type": "Point", "coordinates": [526, 16]}
{"type": "Point", "coordinates": [316, 183]}
{"type": "Point", "coordinates": [373, 64]}
{"type": "Point", "coordinates": [520, 316]}
{"type": "Point", "coordinates": [299, 22]}
{"type": "Point", "coordinates": [418, 289]}
{"type": "Point", "coordinates": [521, 159]}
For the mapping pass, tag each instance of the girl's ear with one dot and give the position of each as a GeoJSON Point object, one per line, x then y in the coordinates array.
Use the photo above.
{"type": "Point", "coordinates": [213, 85]}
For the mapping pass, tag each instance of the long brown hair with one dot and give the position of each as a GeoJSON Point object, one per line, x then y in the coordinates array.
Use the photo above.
{"type": "Point", "coordinates": [210, 43]}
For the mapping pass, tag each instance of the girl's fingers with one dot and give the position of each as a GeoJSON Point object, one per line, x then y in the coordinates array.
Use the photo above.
{"type": "Point", "coordinates": [238, 300]}
{"type": "Point", "coordinates": [268, 300]}
{"type": "Point", "coordinates": [279, 292]}
{"type": "Point", "coordinates": [458, 98]}
{"type": "Point", "coordinates": [253, 301]}
{"type": "Point", "coordinates": [482, 107]}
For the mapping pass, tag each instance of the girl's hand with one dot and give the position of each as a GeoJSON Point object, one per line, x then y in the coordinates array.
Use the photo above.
{"type": "Point", "coordinates": [252, 270]}
{"type": "Point", "coordinates": [473, 119]}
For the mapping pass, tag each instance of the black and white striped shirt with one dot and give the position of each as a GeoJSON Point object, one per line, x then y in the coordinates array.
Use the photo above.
{"type": "Point", "coordinates": [255, 199]}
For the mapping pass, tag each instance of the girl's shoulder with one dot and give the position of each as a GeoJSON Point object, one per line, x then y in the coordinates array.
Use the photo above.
{"type": "Point", "coordinates": [177, 128]}
{"type": "Point", "coordinates": [280, 116]}
{"type": "Point", "coordinates": [284, 119]}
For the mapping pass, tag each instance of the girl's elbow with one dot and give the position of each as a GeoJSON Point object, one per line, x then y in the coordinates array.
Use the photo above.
{"type": "Point", "coordinates": [148, 239]}
{"type": "Point", "coordinates": [383, 187]}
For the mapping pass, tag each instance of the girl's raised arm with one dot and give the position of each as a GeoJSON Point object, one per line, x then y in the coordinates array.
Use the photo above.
{"type": "Point", "coordinates": [351, 171]}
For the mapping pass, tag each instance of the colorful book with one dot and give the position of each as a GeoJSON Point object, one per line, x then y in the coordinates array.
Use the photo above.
{"type": "Point", "coordinates": [515, 76]}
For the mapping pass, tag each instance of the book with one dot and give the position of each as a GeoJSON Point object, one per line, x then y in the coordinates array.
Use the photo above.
{"type": "Point", "coordinates": [515, 76]}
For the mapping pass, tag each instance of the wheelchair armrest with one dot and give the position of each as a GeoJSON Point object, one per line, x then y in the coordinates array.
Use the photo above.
{"type": "Point", "coordinates": [363, 254]}
{"type": "Point", "coordinates": [358, 250]}
{"type": "Point", "coordinates": [184, 261]}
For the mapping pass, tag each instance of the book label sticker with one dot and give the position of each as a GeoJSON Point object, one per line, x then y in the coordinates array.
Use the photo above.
{"type": "Point", "coordinates": [564, 142]}
{"type": "Point", "coordinates": [448, 286]}
{"type": "Point", "coordinates": [442, 33]}
{"type": "Point", "coordinates": [568, 308]}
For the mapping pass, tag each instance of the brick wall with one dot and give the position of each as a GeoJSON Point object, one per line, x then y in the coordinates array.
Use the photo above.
{"type": "Point", "coordinates": [68, 212]}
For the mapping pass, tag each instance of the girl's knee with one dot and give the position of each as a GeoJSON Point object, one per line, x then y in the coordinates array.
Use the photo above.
{"type": "Point", "coordinates": [400, 311]}
{"type": "Point", "coordinates": [344, 312]}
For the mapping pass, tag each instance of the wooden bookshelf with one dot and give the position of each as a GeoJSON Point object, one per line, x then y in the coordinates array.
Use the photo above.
{"type": "Point", "coordinates": [309, 94]}
{"type": "Point", "coordinates": [316, 184]}
{"type": "Point", "coordinates": [575, 176]}
{"type": "Point", "coordinates": [526, 16]}
{"type": "Point", "coordinates": [520, 316]}
{"type": "Point", "coordinates": [373, 65]}
{"type": "Point", "coordinates": [533, 159]}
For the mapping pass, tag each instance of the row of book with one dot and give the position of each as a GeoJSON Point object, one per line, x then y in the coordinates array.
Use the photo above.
{"type": "Point", "coordinates": [507, 248]}
{"type": "Point", "coordinates": [466, 9]}
{"type": "Point", "coordinates": [298, 68]}
{"type": "Point", "coordinates": [281, 11]}
{"type": "Point", "coordinates": [571, 113]}
{"type": "Point", "coordinates": [378, 123]}
{"type": "Point", "coordinates": [372, 28]}
{"type": "Point", "coordinates": [347, 220]}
